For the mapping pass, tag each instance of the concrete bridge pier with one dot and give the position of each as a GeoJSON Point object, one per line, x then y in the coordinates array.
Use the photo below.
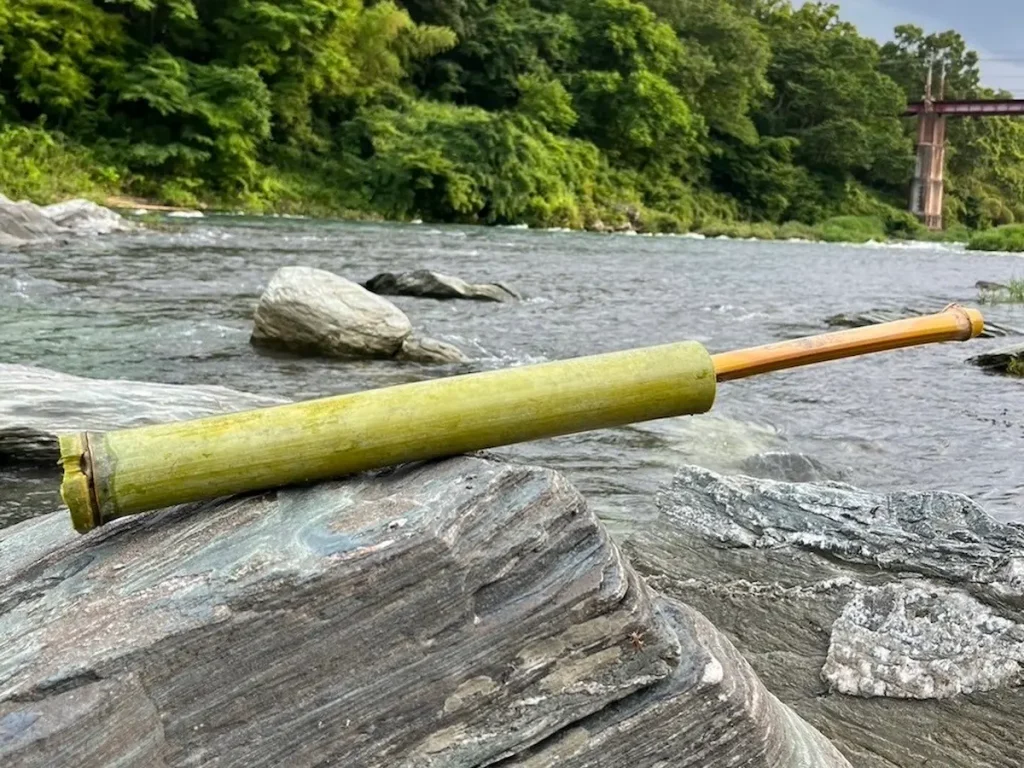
{"type": "Point", "coordinates": [927, 187]}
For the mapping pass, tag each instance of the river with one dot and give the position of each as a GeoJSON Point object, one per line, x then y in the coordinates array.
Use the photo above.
{"type": "Point", "coordinates": [176, 306]}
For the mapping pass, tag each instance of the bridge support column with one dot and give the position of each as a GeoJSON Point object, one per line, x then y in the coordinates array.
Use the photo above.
{"type": "Point", "coordinates": [927, 188]}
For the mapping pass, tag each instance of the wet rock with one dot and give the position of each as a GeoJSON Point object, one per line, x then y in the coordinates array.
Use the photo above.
{"type": "Point", "coordinates": [905, 601]}
{"type": "Point", "coordinates": [919, 641]}
{"type": "Point", "coordinates": [712, 711]}
{"type": "Point", "coordinates": [24, 223]}
{"type": "Point", "coordinates": [876, 316]}
{"type": "Point", "coordinates": [422, 349]}
{"type": "Point", "coordinates": [86, 217]}
{"type": "Point", "coordinates": [456, 613]}
{"type": "Point", "coordinates": [1001, 360]}
{"type": "Point", "coordinates": [36, 404]}
{"type": "Point", "coordinates": [434, 285]}
{"type": "Point", "coordinates": [985, 285]}
{"type": "Point", "coordinates": [314, 311]}
{"type": "Point", "coordinates": [792, 467]}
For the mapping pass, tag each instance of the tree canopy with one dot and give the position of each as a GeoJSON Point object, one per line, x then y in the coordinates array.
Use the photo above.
{"type": "Point", "coordinates": [494, 111]}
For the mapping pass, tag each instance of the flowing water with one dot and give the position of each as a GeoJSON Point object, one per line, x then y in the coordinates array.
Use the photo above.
{"type": "Point", "coordinates": [176, 306]}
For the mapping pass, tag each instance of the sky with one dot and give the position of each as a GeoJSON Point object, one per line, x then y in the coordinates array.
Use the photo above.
{"type": "Point", "coordinates": [993, 28]}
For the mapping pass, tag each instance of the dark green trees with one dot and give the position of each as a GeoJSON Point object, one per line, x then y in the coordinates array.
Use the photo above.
{"type": "Point", "coordinates": [674, 112]}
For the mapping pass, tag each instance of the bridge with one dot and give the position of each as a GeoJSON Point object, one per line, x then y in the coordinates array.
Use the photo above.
{"type": "Point", "coordinates": [927, 188]}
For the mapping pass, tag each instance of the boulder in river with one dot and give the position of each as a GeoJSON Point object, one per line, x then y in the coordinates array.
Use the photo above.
{"type": "Point", "coordinates": [433, 285]}
{"type": "Point", "coordinates": [311, 310]}
{"type": "Point", "coordinates": [876, 316]}
{"type": "Point", "coordinates": [893, 622]}
{"type": "Point", "coordinates": [440, 615]}
{"type": "Point", "coordinates": [86, 217]}
{"type": "Point", "coordinates": [308, 310]}
{"type": "Point", "coordinates": [1003, 360]}
{"type": "Point", "coordinates": [24, 222]}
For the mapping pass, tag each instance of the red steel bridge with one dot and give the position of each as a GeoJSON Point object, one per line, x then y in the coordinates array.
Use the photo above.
{"type": "Point", "coordinates": [926, 191]}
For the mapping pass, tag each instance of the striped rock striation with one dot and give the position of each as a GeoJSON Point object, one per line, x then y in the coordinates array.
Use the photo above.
{"type": "Point", "coordinates": [462, 613]}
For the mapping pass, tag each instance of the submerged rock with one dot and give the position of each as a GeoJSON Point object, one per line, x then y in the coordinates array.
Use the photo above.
{"type": "Point", "coordinates": [311, 310]}
{"type": "Point", "coordinates": [792, 467]}
{"type": "Point", "coordinates": [876, 316]}
{"type": "Point", "coordinates": [1001, 360]}
{"type": "Point", "coordinates": [870, 614]}
{"type": "Point", "coordinates": [458, 613]}
{"type": "Point", "coordinates": [421, 349]}
{"type": "Point", "coordinates": [37, 404]}
{"type": "Point", "coordinates": [434, 285]}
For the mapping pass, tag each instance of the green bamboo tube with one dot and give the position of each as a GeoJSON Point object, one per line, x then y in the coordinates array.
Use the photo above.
{"type": "Point", "coordinates": [113, 474]}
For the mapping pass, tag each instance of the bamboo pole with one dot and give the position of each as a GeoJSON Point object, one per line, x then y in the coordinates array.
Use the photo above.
{"type": "Point", "coordinates": [125, 472]}
{"type": "Point", "coordinates": [952, 324]}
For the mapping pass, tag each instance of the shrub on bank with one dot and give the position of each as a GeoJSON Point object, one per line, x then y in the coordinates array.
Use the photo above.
{"type": "Point", "coordinates": [1006, 238]}
{"type": "Point", "coordinates": [45, 168]}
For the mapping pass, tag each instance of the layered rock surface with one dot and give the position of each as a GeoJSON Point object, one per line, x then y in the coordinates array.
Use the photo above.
{"type": "Point", "coordinates": [434, 285]}
{"type": "Point", "coordinates": [892, 622]}
{"type": "Point", "coordinates": [312, 311]}
{"type": "Point", "coordinates": [452, 614]}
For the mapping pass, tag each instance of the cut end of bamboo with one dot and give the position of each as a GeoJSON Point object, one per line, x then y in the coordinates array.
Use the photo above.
{"type": "Point", "coordinates": [977, 321]}
{"type": "Point", "coordinates": [76, 489]}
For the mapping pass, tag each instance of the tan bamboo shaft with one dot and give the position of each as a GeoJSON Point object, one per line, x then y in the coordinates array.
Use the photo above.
{"type": "Point", "coordinates": [952, 324]}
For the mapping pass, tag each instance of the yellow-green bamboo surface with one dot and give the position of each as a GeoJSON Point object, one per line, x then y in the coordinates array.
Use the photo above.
{"type": "Point", "coordinates": [113, 474]}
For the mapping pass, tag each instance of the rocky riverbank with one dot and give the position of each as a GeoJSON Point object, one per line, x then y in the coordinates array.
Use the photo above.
{"type": "Point", "coordinates": [894, 623]}
{"type": "Point", "coordinates": [473, 612]}
{"type": "Point", "coordinates": [458, 613]}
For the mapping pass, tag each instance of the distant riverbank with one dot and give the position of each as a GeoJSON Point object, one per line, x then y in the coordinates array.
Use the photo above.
{"type": "Point", "coordinates": [839, 229]}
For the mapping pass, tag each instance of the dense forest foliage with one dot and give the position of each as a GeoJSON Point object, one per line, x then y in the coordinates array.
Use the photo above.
{"type": "Point", "coordinates": [670, 114]}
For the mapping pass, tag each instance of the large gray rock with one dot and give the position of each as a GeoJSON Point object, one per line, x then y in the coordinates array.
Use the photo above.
{"type": "Point", "coordinates": [86, 217]}
{"type": "Point", "coordinates": [1001, 360]}
{"type": "Point", "coordinates": [37, 404]}
{"type": "Point", "coordinates": [892, 622]}
{"type": "Point", "coordinates": [311, 310]}
{"type": "Point", "coordinates": [24, 223]}
{"type": "Point", "coordinates": [434, 285]}
{"type": "Point", "coordinates": [451, 614]}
